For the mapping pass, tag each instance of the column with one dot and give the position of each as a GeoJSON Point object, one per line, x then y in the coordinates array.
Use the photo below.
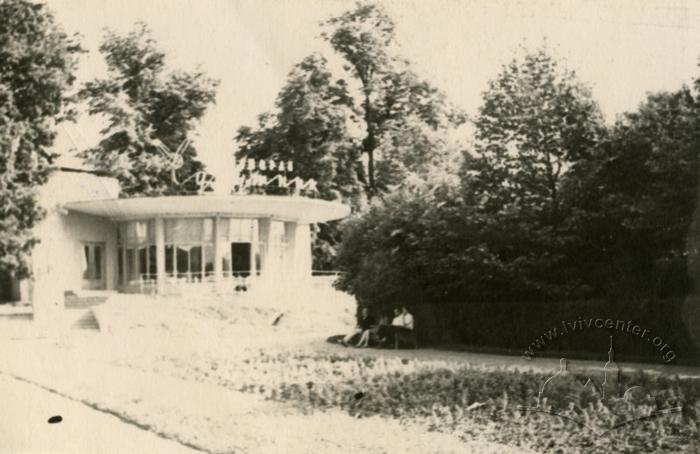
{"type": "Point", "coordinates": [289, 262]}
{"type": "Point", "coordinates": [264, 227]}
{"type": "Point", "coordinates": [254, 246]}
{"type": "Point", "coordinates": [218, 269]}
{"type": "Point", "coordinates": [160, 254]}
{"type": "Point", "coordinates": [302, 253]}
{"type": "Point", "coordinates": [126, 268]}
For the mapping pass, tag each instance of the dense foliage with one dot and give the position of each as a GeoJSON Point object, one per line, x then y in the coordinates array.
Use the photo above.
{"type": "Point", "coordinates": [359, 133]}
{"type": "Point", "coordinates": [145, 110]}
{"type": "Point", "coordinates": [553, 205]}
{"type": "Point", "coordinates": [37, 66]}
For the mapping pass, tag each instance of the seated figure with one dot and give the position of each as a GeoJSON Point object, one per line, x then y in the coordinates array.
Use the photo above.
{"type": "Point", "coordinates": [377, 334]}
{"type": "Point", "coordinates": [402, 327]}
{"type": "Point", "coordinates": [364, 323]}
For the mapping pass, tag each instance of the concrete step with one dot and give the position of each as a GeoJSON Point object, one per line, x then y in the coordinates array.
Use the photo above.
{"type": "Point", "coordinates": [82, 319]}
{"type": "Point", "coordinates": [84, 301]}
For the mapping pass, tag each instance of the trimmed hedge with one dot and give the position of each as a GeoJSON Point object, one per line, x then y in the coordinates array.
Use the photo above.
{"type": "Point", "coordinates": [515, 327]}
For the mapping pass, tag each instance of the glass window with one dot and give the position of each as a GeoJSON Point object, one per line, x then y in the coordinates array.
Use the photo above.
{"type": "Point", "coordinates": [223, 230]}
{"type": "Point", "coordinates": [183, 230]}
{"type": "Point", "coordinates": [86, 262]}
{"type": "Point", "coordinates": [152, 261]}
{"type": "Point", "coordinates": [183, 259]}
{"type": "Point", "coordinates": [196, 261]}
{"type": "Point", "coordinates": [97, 262]}
{"type": "Point", "coordinates": [92, 265]}
{"type": "Point", "coordinates": [169, 259]}
{"type": "Point", "coordinates": [241, 230]}
{"type": "Point", "coordinates": [132, 272]}
{"type": "Point", "coordinates": [138, 232]}
{"type": "Point", "coordinates": [226, 259]}
{"type": "Point", "coordinates": [92, 261]}
{"type": "Point", "coordinates": [208, 259]}
{"type": "Point", "coordinates": [143, 262]}
{"type": "Point", "coordinates": [120, 265]}
{"type": "Point", "coordinates": [208, 229]}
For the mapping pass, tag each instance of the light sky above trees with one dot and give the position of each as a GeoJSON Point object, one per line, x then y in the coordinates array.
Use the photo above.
{"type": "Point", "coordinates": [622, 49]}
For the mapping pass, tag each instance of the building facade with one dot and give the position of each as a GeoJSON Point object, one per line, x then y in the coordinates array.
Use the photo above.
{"type": "Point", "coordinates": [93, 241]}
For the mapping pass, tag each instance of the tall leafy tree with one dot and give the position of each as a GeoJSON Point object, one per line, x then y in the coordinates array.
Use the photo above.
{"type": "Point", "coordinates": [536, 121]}
{"type": "Point", "coordinates": [147, 109]}
{"type": "Point", "coordinates": [536, 124]}
{"type": "Point", "coordinates": [377, 108]}
{"type": "Point", "coordinates": [37, 66]}
{"type": "Point", "coordinates": [310, 128]}
{"type": "Point", "coordinates": [394, 100]}
{"type": "Point", "coordinates": [636, 201]}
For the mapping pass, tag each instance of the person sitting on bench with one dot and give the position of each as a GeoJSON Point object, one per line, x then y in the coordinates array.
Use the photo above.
{"type": "Point", "coordinates": [364, 323]}
{"type": "Point", "coordinates": [377, 334]}
{"type": "Point", "coordinates": [402, 325]}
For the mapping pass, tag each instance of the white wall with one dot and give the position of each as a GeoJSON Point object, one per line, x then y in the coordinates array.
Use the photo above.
{"type": "Point", "coordinates": [57, 260]}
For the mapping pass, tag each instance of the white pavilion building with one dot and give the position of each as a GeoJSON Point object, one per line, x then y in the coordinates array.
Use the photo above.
{"type": "Point", "coordinates": [92, 241]}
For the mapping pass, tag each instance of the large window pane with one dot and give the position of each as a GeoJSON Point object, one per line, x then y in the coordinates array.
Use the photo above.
{"type": "Point", "coordinates": [183, 260]}
{"type": "Point", "coordinates": [208, 229]}
{"type": "Point", "coordinates": [241, 230]}
{"type": "Point", "coordinates": [138, 232]}
{"type": "Point", "coordinates": [208, 259]}
{"type": "Point", "coordinates": [183, 231]}
{"type": "Point", "coordinates": [226, 260]}
{"type": "Point", "coordinates": [196, 261]}
{"type": "Point", "coordinates": [131, 265]}
{"type": "Point", "coordinates": [120, 266]}
{"type": "Point", "coordinates": [97, 262]}
{"type": "Point", "coordinates": [223, 230]}
{"type": "Point", "coordinates": [143, 262]}
{"type": "Point", "coordinates": [86, 262]}
{"type": "Point", "coordinates": [152, 261]}
{"type": "Point", "coordinates": [169, 259]}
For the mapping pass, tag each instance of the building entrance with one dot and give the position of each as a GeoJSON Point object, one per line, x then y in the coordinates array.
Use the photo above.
{"type": "Point", "coordinates": [240, 259]}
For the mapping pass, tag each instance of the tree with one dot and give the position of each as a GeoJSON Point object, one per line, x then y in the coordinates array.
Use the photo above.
{"type": "Point", "coordinates": [393, 98]}
{"type": "Point", "coordinates": [635, 200]}
{"type": "Point", "coordinates": [536, 121]}
{"type": "Point", "coordinates": [411, 248]}
{"type": "Point", "coordinates": [536, 124]}
{"type": "Point", "coordinates": [37, 66]}
{"type": "Point", "coordinates": [317, 119]}
{"type": "Point", "coordinates": [149, 115]}
{"type": "Point", "coordinates": [309, 127]}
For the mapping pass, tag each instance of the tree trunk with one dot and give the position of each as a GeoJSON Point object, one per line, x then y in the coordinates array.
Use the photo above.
{"type": "Point", "coordinates": [369, 144]}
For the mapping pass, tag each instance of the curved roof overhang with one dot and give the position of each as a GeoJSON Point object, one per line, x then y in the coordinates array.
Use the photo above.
{"type": "Point", "coordinates": [285, 208]}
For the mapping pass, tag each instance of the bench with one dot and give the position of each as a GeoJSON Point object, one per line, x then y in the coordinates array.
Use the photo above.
{"type": "Point", "coordinates": [407, 337]}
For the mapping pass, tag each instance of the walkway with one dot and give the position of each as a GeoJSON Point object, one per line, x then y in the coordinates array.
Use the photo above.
{"type": "Point", "coordinates": [494, 360]}
{"type": "Point", "coordinates": [24, 426]}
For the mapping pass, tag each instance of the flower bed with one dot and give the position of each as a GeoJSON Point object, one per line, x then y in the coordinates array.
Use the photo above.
{"type": "Point", "coordinates": [470, 402]}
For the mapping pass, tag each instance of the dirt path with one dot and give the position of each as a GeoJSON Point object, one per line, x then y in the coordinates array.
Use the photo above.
{"type": "Point", "coordinates": [24, 425]}
{"type": "Point", "coordinates": [490, 360]}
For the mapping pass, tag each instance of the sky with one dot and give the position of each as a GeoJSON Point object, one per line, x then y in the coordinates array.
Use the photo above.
{"type": "Point", "coordinates": [621, 49]}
